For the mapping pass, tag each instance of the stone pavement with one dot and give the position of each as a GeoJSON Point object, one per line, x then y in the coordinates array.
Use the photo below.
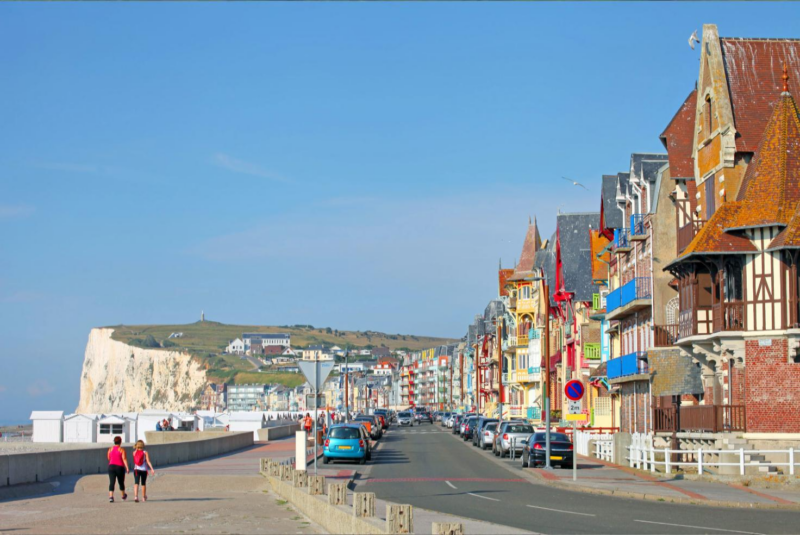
{"type": "Point", "coordinates": [603, 477]}
{"type": "Point", "coordinates": [224, 494]}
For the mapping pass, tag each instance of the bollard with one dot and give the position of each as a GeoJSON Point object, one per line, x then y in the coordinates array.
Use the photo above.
{"type": "Point", "coordinates": [287, 472]}
{"type": "Point", "coordinates": [300, 478]}
{"type": "Point", "coordinates": [445, 528]}
{"type": "Point", "coordinates": [399, 519]}
{"type": "Point", "coordinates": [337, 494]}
{"type": "Point", "coordinates": [264, 468]}
{"type": "Point", "coordinates": [364, 503]}
{"type": "Point", "coordinates": [274, 469]}
{"type": "Point", "coordinates": [316, 485]}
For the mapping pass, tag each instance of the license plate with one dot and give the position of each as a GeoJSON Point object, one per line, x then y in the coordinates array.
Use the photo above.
{"type": "Point", "coordinates": [351, 447]}
{"type": "Point", "coordinates": [553, 458]}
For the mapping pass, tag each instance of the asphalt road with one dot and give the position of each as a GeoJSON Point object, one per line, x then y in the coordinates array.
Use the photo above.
{"type": "Point", "coordinates": [428, 467]}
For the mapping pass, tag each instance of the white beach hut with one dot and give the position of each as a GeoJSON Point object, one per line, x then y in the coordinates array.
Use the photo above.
{"type": "Point", "coordinates": [247, 421]}
{"type": "Point", "coordinates": [81, 428]}
{"type": "Point", "coordinates": [149, 419]}
{"type": "Point", "coordinates": [114, 425]}
{"type": "Point", "coordinates": [48, 426]}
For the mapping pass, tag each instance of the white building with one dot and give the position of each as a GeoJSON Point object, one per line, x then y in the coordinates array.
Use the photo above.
{"type": "Point", "coordinates": [48, 426]}
{"type": "Point", "coordinates": [317, 353]}
{"type": "Point", "coordinates": [247, 421]}
{"type": "Point", "coordinates": [349, 367]}
{"type": "Point", "coordinates": [266, 340]}
{"type": "Point", "coordinates": [81, 428]}
{"type": "Point", "coordinates": [114, 425]}
{"type": "Point", "coordinates": [236, 347]}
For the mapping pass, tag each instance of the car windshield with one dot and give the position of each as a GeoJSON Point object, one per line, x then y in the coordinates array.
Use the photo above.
{"type": "Point", "coordinates": [346, 433]}
{"type": "Point", "coordinates": [491, 426]}
{"type": "Point", "coordinates": [554, 437]}
{"type": "Point", "coordinates": [404, 415]}
{"type": "Point", "coordinates": [519, 429]}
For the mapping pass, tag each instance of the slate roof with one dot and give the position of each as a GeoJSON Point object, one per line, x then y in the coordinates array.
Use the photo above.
{"type": "Point", "coordinates": [753, 71]}
{"type": "Point", "coordinates": [531, 244]}
{"type": "Point", "coordinates": [545, 261]}
{"type": "Point", "coordinates": [492, 311]}
{"type": "Point", "coordinates": [573, 232]}
{"type": "Point", "coordinates": [612, 215]}
{"type": "Point", "coordinates": [644, 168]}
{"type": "Point", "coordinates": [678, 138]}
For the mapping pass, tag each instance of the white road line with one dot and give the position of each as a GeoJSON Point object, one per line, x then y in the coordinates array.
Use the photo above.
{"type": "Point", "coordinates": [560, 511]}
{"type": "Point", "coordinates": [484, 497]}
{"type": "Point", "coordinates": [451, 485]}
{"type": "Point", "coordinates": [697, 527]}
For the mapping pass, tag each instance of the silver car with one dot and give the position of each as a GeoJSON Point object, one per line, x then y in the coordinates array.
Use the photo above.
{"type": "Point", "coordinates": [511, 433]}
{"type": "Point", "coordinates": [405, 419]}
{"type": "Point", "coordinates": [488, 432]}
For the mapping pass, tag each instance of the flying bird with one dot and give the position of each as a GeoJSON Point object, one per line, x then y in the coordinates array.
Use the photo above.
{"type": "Point", "coordinates": [575, 183]}
{"type": "Point", "coordinates": [693, 39]}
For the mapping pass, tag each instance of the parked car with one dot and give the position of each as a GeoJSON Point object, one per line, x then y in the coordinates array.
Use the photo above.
{"type": "Point", "coordinates": [469, 427]}
{"type": "Point", "coordinates": [442, 417]}
{"type": "Point", "coordinates": [372, 428]}
{"type": "Point", "coordinates": [561, 450]}
{"type": "Point", "coordinates": [425, 416]}
{"type": "Point", "coordinates": [405, 419]}
{"type": "Point", "coordinates": [479, 425]}
{"type": "Point", "coordinates": [346, 441]}
{"type": "Point", "coordinates": [486, 435]}
{"type": "Point", "coordinates": [512, 433]}
{"type": "Point", "coordinates": [456, 423]}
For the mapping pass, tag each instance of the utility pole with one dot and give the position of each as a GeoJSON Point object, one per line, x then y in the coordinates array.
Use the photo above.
{"type": "Point", "coordinates": [547, 374]}
{"type": "Point", "coordinates": [346, 385]}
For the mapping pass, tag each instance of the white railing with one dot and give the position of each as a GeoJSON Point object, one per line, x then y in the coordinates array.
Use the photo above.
{"type": "Point", "coordinates": [604, 443]}
{"type": "Point", "coordinates": [644, 458]}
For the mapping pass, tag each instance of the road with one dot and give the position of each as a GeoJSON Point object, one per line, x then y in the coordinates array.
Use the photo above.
{"type": "Point", "coordinates": [428, 467]}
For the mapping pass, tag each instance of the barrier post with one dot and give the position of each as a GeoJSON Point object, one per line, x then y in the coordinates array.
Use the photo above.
{"type": "Point", "coordinates": [791, 461]}
{"type": "Point", "coordinates": [700, 461]}
{"type": "Point", "coordinates": [741, 461]}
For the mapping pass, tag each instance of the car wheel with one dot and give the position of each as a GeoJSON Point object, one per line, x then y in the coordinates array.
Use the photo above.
{"type": "Point", "coordinates": [325, 460]}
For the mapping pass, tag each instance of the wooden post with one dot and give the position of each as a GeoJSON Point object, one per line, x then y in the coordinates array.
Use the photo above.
{"type": "Point", "coordinates": [445, 528]}
{"type": "Point", "coordinates": [364, 504]}
{"type": "Point", "coordinates": [399, 519]}
{"type": "Point", "coordinates": [300, 478]}
{"type": "Point", "coordinates": [337, 494]}
{"type": "Point", "coordinates": [316, 485]}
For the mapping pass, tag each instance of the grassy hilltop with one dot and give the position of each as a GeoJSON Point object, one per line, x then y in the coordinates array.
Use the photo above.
{"type": "Point", "coordinates": [207, 340]}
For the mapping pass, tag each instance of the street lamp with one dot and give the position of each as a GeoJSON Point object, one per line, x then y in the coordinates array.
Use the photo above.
{"type": "Point", "coordinates": [546, 367]}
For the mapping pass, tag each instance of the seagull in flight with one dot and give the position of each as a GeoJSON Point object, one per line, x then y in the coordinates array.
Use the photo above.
{"type": "Point", "coordinates": [693, 39]}
{"type": "Point", "coordinates": [575, 183]}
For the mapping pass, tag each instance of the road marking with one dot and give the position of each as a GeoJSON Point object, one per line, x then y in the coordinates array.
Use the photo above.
{"type": "Point", "coordinates": [560, 511]}
{"type": "Point", "coordinates": [484, 497]}
{"type": "Point", "coordinates": [451, 485]}
{"type": "Point", "coordinates": [696, 527]}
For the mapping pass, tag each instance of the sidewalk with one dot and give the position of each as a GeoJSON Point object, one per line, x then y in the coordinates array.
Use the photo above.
{"type": "Point", "coordinates": [602, 477]}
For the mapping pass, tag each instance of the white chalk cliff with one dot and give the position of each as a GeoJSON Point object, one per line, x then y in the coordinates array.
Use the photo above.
{"type": "Point", "coordinates": [117, 377]}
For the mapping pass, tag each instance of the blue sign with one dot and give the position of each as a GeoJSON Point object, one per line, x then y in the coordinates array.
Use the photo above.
{"type": "Point", "coordinates": [574, 390]}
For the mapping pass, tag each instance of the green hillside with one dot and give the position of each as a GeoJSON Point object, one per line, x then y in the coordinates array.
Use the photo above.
{"type": "Point", "coordinates": [207, 340]}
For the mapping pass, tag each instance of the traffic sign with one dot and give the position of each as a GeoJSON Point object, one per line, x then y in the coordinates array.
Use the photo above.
{"type": "Point", "coordinates": [574, 390]}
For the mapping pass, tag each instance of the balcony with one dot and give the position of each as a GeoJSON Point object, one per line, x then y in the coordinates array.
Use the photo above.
{"type": "Point", "coordinates": [522, 341]}
{"type": "Point", "coordinates": [622, 240]}
{"type": "Point", "coordinates": [597, 302]}
{"type": "Point", "coordinates": [627, 365]}
{"type": "Point", "coordinates": [728, 316]}
{"type": "Point", "coordinates": [591, 351]}
{"type": "Point", "coordinates": [687, 233]}
{"type": "Point", "coordinates": [638, 231]}
{"type": "Point", "coordinates": [534, 413]}
{"type": "Point", "coordinates": [665, 335]}
{"type": "Point", "coordinates": [632, 296]}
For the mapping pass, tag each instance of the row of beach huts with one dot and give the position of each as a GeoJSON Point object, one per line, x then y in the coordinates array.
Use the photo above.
{"type": "Point", "coordinates": [55, 426]}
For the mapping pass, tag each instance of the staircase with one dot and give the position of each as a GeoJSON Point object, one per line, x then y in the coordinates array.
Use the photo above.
{"type": "Point", "coordinates": [752, 460]}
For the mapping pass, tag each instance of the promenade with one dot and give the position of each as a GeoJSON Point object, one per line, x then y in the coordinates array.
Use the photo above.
{"type": "Point", "coordinates": [223, 494]}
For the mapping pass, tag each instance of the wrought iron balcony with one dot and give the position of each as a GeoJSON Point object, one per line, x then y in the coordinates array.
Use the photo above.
{"type": "Point", "coordinates": [622, 240]}
{"type": "Point", "coordinates": [630, 364]}
{"type": "Point", "coordinates": [637, 227]}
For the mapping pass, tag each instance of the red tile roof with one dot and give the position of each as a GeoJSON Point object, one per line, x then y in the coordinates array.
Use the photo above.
{"type": "Point", "coordinates": [678, 139]}
{"type": "Point", "coordinates": [753, 68]}
{"type": "Point", "coordinates": [771, 185]}
{"type": "Point", "coordinates": [712, 238]}
{"type": "Point", "coordinates": [531, 244]}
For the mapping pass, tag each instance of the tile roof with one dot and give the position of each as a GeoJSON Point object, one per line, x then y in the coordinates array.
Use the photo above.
{"type": "Point", "coordinates": [546, 262]}
{"type": "Point", "coordinates": [753, 69]}
{"type": "Point", "coordinates": [531, 244]}
{"type": "Point", "coordinates": [712, 238]}
{"type": "Point", "coordinates": [573, 232]}
{"type": "Point", "coordinates": [771, 185]}
{"type": "Point", "coordinates": [503, 275]}
{"type": "Point", "coordinates": [678, 138]}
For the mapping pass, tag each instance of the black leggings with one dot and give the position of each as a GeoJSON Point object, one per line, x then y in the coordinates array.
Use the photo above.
{"type": "Point", "coordinates": [140, 475]}
{"type": "Point", "coordinates": [116, 473]}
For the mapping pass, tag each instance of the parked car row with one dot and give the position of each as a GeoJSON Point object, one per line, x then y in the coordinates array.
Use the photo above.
{"type": "Point", "coordinates": [353, 440]}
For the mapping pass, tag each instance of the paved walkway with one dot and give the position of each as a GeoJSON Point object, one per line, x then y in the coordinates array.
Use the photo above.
{"type": "Point", "coordinates": [223, 494]}
{"type": "Point", "coordinates": [599, 476]}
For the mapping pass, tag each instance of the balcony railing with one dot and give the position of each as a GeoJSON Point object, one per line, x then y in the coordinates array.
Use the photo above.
{"type": "Point", "coordinates": [596, 302]}
{"type": "Point", "coordinates": [728, 316]}
{"type": "Point", "coordinates": [687, 233]}
{"type": "Point", "coordinates": [622, 238]}
{"type": "Point", "coordinates": [613, 300]}
{"type": "Point", "coordinates": [637, 288]}
{"type": "Point", "coordinates": [637, 225]}
{"type": "Point", "coordinates": [522, 340]}
{"type": "Point", "coordinates": [534, 413]}
{"type": "Point", "coordinates": [665, 335]}
{"type": "Point", "coordinates": [630, 364]}
{"type": "Point", "coordinates": [591, 351]}
{"type": "Point", "coordinates": [710, 418]}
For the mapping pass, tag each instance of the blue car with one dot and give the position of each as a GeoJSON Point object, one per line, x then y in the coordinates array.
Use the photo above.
{"type": "Point", "coordinates": [347, 441]}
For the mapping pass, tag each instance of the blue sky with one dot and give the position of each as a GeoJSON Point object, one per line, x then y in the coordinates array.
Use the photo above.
{"type": "Point", "coordinates": [359, 166]}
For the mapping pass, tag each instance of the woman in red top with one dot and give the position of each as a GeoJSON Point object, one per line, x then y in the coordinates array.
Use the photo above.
{"type": "Point", "coordinates": [117, 468]}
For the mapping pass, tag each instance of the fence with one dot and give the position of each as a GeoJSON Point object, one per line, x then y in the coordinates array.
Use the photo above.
{"type": "Point", "coordinates": [711, 418]}
{"type": "Point", "coordinates": [604, 442]}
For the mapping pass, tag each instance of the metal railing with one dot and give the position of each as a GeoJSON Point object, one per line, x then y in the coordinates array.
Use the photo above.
{"type": "Point", "coordinates": [622, 238]}
{"type": "Point", "coordinates": [665, 335]}
{"type": "Point", "coordinates": [613, 300]}
{"type": "Point", "coordinates": [637, 225]}
{"type": "Point", "coordinates": [630, 364]}
{"type": "Point", "coordinates": [709, 418]}
{"type": "Point", "coordinates": [728, 316]}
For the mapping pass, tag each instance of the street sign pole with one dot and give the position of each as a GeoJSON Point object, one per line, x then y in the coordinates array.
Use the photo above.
{"type": "Point", "coordinates": [316, 403]}
{"type": "Point", "coordinates": [574, 391]}
{"type": "Point", "coordinates": [574, 452]}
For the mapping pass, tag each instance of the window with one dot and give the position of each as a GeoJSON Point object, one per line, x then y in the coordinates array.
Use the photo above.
{"type": "Point", "coordinates": [110, 429]}
{"type": "Point", "coordinates": [708, 113]}
{"type": "Point", "coordinates": [711, 200]}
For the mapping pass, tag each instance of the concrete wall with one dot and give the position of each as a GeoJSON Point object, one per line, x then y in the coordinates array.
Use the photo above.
{"type": "Point", "coordinates": [271, 433]}
{"type": "Point", "coordinates": [168, 437]}
{"type": "Point", "coordinates": [40, 466]}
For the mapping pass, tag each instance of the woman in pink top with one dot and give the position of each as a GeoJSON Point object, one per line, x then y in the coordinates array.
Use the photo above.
{"type": "Point", "coordinates": [117, 468]}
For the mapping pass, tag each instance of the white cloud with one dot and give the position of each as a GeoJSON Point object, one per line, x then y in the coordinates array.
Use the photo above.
{"type": "Point", "coordinates": [15, 210]}
{"type": "Point", "coordinates": [40, 387]}
{"type": "Point", "coordinates": [246, 168]}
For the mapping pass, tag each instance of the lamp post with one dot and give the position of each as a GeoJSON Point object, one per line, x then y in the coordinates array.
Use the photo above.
{"type": "Point", "coordinates": [546, 367]}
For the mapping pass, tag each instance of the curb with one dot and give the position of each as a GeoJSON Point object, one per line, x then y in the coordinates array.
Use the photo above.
{"type": "Point", "coordinates": [537, 479]}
